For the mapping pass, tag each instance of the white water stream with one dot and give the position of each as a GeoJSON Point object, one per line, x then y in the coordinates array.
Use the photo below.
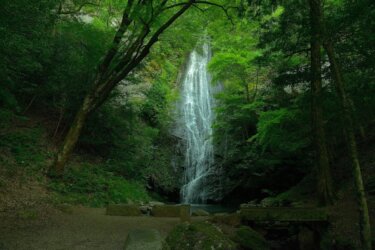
{"type": "Point", "coordinates": [195, 126]}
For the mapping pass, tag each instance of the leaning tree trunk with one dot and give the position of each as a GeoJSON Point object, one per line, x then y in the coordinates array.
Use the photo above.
{"type": "Point", "coordinates": [364, 221]}
{"type": "Point", "coordinates": [323, 171]}
{"type": "Point", "coordinates": [115, 66]}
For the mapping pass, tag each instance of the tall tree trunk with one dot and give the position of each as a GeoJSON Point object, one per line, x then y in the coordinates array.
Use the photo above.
{"type": "Point", "coordinates": [323, 171]}
{"type": "Point", "coordinates": [364, 221]}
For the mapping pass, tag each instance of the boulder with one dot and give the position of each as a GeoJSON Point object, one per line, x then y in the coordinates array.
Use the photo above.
{"type": "Point", "coordinates": [123, 210]}
{"type": "Point", "coordinates": [200, 212]}
{"type": "Point", "coordinates": [146, 239]}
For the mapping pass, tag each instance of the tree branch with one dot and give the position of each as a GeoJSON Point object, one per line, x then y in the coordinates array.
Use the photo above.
{"type": "Point", "coordinates": [197, 7]}
{"type": "Point", "coordinates": [130, 64]}
{"type": "Point", "coordinates": [125, 22]}
{"type": "Point", "coordinates": [225, 9]}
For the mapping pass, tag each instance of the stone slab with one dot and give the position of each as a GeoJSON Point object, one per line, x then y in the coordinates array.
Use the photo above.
{"type": "Point", "coordinates": [170, 210]}
{"type": "Point", "coordinates": [284, 214]}
{"type": "Point", "coordinates": [123, 210]}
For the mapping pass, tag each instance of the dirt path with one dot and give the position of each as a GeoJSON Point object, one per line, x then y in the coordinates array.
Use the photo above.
{"type": "Point", "coordinates": [83, 228]}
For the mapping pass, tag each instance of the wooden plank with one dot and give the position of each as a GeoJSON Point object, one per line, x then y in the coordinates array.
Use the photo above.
{"type": "Point", "coordinates": [284, 214]}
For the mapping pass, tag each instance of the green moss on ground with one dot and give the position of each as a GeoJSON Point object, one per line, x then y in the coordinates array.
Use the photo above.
{"type": "Point", "coordinates": [198, 236]}
{"type": "Point", "coordinates": [90, 185]}
{"type": "Point", "coordinates": [248, 238]}
{"type": "Point", "coordinates": [23, 147]}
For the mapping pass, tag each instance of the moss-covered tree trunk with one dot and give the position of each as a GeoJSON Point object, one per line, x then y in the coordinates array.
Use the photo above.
{"type": "Point", "coordinates": [364, 221]}
{"type": "Point", "coordinates": [323, 171]}
{"type": "Point", "coordinates": [71, 138]}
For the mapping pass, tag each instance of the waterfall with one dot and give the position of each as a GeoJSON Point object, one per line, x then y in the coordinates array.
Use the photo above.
{"type": "Point", "coordinates": [195, 127]}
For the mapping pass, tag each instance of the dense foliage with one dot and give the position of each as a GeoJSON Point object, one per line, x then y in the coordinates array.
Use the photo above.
{"type": "Point", "coordinates": [263, 128]}
{"type": "Point", "coordinates": [265, 131]}
{"type": "Point", "coordinates": [47, 67]}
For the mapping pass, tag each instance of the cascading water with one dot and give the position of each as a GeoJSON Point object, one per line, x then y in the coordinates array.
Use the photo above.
{"type": "Point", "coordinates": [195, 127]}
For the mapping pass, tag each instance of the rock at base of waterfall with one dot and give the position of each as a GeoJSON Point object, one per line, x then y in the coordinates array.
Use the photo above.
{"type": "Point", "coordinates": [200, 212]}
{"type": "Point", "coordinates": [147, 239]}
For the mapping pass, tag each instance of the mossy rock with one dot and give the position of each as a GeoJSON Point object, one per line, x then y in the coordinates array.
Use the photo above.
{"type": "Point", "coordinates": [248, 238]}
{"type": "Point", "coordinates": [198, 236]}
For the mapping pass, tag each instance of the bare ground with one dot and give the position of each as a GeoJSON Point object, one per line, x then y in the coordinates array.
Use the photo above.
{"type": "Point", "coordinates": [78, 228]}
